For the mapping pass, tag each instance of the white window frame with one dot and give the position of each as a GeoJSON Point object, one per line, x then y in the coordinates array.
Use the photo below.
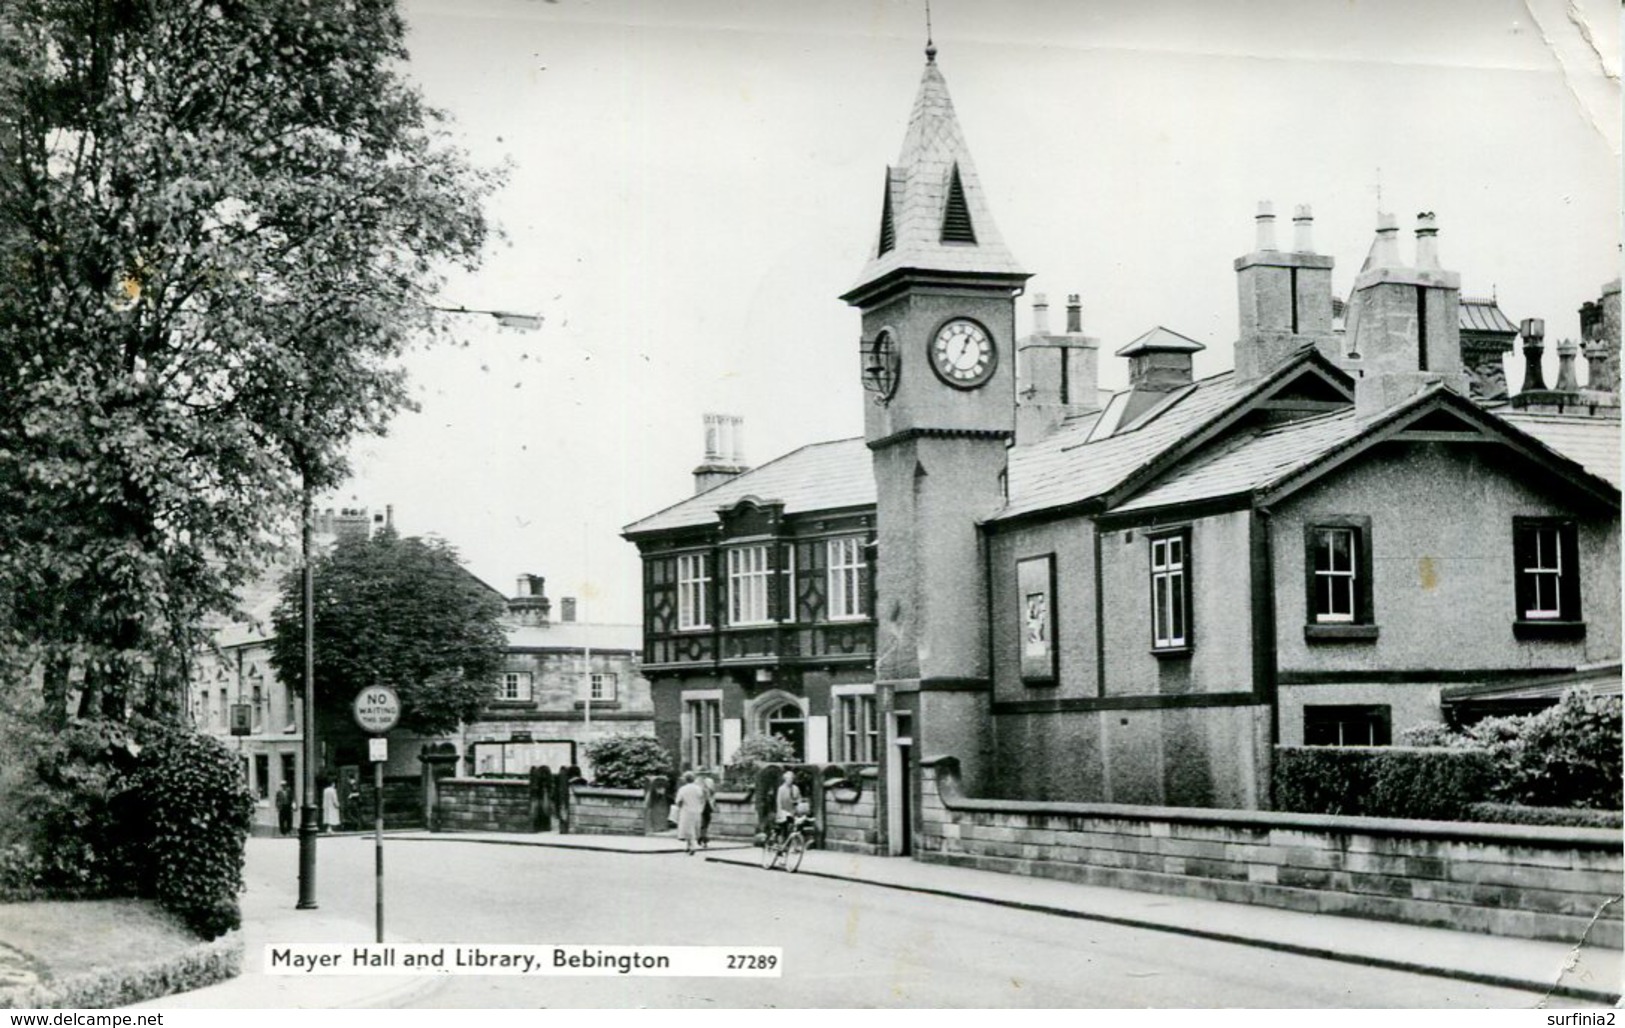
{"type": "Point", "coordinates": [693, 591]}
{"type": "Point", "coordinates": [694, 743]}
{"type": "Point", "coordinates": [845, 560]}
{"type": "Point", "coordinates": [1545, 575]}
{"type": "Point", "coordinates": [1346, 580]}
{"type": "Point", "coordinates": [516, 686]}
{"type": "Point", "coordinates": [1168, 569]}
{"type": "Point", "coordinates": [749, 581]}
{"type": "Point", "coordinates": [856, 723]}
{"type": "Point", "coordinates": [596, 686]}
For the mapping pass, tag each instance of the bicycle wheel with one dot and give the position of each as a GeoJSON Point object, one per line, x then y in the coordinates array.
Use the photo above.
{"type": "Point", "coordinates": [793, 851]}
{"type": "Point", "coordinates": [770, 852]}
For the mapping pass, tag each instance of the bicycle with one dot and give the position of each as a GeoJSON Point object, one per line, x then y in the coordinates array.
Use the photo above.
{"type": "Point", "coordinates": [787, 848]}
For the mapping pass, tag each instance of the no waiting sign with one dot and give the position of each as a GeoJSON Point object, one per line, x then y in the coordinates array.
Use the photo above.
{"type": "Point", "coordinates": [377, 709]}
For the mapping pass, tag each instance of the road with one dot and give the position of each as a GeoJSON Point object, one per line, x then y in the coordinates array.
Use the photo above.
{"type": "Point", "coordinates": [845, 944]}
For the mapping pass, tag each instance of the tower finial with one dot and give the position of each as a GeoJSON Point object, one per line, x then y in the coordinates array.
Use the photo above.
{"type": "Point", "coordinates": [930, 47]}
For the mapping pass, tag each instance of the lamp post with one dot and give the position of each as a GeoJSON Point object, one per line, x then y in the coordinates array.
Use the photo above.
{"type": "Point", "coordinates": [308, 809]}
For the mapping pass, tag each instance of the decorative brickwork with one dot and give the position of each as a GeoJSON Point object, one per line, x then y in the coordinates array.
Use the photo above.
{"type": "Point", "coordinates": [1522, 881]}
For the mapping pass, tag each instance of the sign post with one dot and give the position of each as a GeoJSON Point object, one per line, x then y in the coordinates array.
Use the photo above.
{"type": "Point", "coordinates": [377, 709]}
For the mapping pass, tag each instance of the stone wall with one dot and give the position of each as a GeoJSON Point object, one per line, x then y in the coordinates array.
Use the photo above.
{"type": "Point", "coordinates": [485, 805]}
{"type": "Point", "coordinates": [598, 811]}
{"type": "Point", "coordinates": [852, 813]}
{"type": "Point", "coordinates": [1515, 880]}
{"type": "Point", "coordinates": [403, 803]}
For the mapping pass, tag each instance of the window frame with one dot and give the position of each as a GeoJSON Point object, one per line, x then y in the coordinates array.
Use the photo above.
{"type": "Point", "coordinates": [842, 573]}
{"type": "Point", "coordinates": [524, 683]}
{"type": "Point", "coordinates": [1171, 645]}
{"type": "Point", "coordinates": [1361, 625]}
{"type": "Point", "coordinates": [857, 724]}
{"type": "Point", "coordinates": [1379, 718]}
{"type": "Point", "coordinates": [750, 585]}
{"type": "Point", "coordinates": [1566, 621]}
{"type": "Point", "coordinates": [595, 679]}
{"type": "Point", "coordinates": [694, 591]}
{"type": "Point", "coordinates": [702, 739]}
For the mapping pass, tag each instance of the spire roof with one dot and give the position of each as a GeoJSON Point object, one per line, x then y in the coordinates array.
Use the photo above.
{"type": "Point", "coordinates": [934, 187]}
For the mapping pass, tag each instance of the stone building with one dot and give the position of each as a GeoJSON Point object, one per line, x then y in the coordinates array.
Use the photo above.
{"type": "Point", "coordinates": [1136, 600]}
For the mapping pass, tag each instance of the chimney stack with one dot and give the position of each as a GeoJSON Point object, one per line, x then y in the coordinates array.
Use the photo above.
{"type": "Point", "coordinates": [1533, 331]}
{"type": "Point", "coordinates": [529, 604]}
{"type": "Point", "coordinates": [1074, 314]}
{"type": "Point", "coordinates": [1385, 249]}
{"type": "Point", "coordinates": [1040, 314]}
{"type": "Point", "coordinates": [1303, 225]}
{"type": "Point", "coordinates": [724, 451]}
{"type": "Point", "coordinates": [1056, 375]}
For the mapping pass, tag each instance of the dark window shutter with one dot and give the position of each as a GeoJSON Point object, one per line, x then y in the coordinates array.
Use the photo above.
{"type": "Point", "coordinates": [888, 230]}
{"type": "Point", "coordinates": [1569, 585]}
{"type": "Point", "coordinates": [956, 223]}
{"type": "Point", "coordinates": [1523, 555]}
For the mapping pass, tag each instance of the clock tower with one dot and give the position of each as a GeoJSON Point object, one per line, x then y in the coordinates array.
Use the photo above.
{"type": "Point", "coordinates": [938, 362]}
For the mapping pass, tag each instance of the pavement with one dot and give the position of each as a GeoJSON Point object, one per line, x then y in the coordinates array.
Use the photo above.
{"type": "Point", "coordinates": [1559, 971]}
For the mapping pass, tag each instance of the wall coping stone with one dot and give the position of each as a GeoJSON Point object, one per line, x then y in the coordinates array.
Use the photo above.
{"type": "Point", "coordinates": [606, 792]}
{"type": "Point", "coordinates": [954, 798]}
{"type": "Point", "coordinates": [503, 783]}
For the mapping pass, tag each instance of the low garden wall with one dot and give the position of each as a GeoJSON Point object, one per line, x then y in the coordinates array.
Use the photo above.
{"type": "Point", "coordinates": [403, 803]}
{"type": "Point", "coordinates": [852, 813]}
{"type": "Point", "coordinates": [485, 805]}
{"type": "Point", "coordinates": [599, 811]}
{"type": "Point", "coordinates": [1514, 880]}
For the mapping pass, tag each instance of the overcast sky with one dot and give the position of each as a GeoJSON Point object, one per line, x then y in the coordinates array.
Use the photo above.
{"type": "Point", "coordinates": [693, 184]}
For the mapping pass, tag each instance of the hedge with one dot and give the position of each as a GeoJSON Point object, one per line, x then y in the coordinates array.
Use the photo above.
{"type": "Point", "coordinates": [1566, 817]}
{"type": "Point", "coordinates": [1381, 781]}
{"type": "Point", "coordinates": [204, 964]}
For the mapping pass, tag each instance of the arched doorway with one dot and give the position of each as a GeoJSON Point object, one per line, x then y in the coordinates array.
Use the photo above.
{"type": "Point", "coordinates": [781, 714]}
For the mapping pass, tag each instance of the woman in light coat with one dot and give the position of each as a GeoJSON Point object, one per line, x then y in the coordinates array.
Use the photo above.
{"type": "Point", "coordinates": [690, 805]}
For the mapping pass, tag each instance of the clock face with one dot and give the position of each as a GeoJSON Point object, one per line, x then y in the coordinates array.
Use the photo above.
{"type": "Point", "coordinates": [963, 354]}
{"type": "Point", "coordinates": [881, 366]}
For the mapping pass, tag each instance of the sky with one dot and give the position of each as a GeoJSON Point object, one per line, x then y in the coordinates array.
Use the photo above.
{"type": "Point", "coordinates": [691, 186]}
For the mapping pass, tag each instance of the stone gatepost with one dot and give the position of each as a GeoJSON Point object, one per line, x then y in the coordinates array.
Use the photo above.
{"type": "Point", "coordinates": [436, 764]}
{"type": "Point", "coordinates": [656, 805]}
{"type": "Point", "coordinates": [541, 799]}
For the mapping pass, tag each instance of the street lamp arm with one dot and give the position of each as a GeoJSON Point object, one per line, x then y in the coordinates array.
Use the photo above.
{"type": "Point", "coordinates": [507, 319]}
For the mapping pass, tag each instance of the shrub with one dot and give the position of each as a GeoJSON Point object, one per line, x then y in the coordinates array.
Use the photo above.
{"type": "Point", "coordinates": [1380, 781]}
{"type": "Point", "coordinates": [1565, 756]}
{"type": "Point", "coordinates": [198, 813]}
{"type": "Point", "coordinates": [78, 807]}
{"type": "Point", "coordinates": [753, 754]}
{"type": "Point", "coordinates": [627, 761]}
{"type": "Point", "coordinates": [1569, 817]}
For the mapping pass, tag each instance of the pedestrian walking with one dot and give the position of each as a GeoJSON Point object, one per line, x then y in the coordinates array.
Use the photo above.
{"type": "Point", "coordinates": [690, 807]}
{"type": "Point", "coordinates": [331, 817]}
{"type": "Point", "coordinates": [284, 809]}
{"type": "Point", "coordinates": [707, 810]}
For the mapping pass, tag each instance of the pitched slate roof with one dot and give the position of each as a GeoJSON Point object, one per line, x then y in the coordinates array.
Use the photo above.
{"type": "Point", "coordinates": [1161, 340]}
{"type": "Point", "coordinates": [819, 476]}
{"type": "Point", "coordinates": [1067, 467]}
{"type": "Point", "coordinates": [1477, 315]}
{"type": "Point", "coordinates": [1593, 443]}
{"type": "Point", "coordinates": [917, 191]}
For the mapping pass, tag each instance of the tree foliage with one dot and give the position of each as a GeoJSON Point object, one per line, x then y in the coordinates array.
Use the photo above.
{"type": "Point", "coordinates": [399, 612]}
{"type": "Point", "coordinates": [221, 221]}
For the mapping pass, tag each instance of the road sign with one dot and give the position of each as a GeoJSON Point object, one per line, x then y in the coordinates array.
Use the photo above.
{"type": "Point", "coordinates": [377, 709]}
{"type": "Point", "coordinates": [378, 750]}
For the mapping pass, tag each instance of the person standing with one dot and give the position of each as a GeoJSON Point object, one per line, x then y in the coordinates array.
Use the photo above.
{"type": "Point", "coordinates": [786, 803]}
{"type": "Point", "coordinates": [707, 810]}
{"type": "Point", "coordinates": [690, 808]}
{"type": "Point", "coordinates": [330, 807]}
{"type": "Point", "coordinates": [284, 809]}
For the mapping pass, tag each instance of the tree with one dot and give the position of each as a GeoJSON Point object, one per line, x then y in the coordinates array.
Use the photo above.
{"type": "Point", "coordinates": [221, 222]}
{"type": "Point", "coordinates": [397, 612]}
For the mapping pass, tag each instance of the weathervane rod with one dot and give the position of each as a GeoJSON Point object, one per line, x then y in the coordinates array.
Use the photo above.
{"type": "Point", "coordinates": [930, 47]}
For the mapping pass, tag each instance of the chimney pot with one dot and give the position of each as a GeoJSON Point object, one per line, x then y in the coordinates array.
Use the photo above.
{"type": "Point", "coordinates": [1040, 314]}
{"type": "Point", "coordinates": [1534, 332]}
{"type": "Point", "coordinates": [1567, 350]}
{"type": "Point", "coordinates": [1303, 223]}
{"type": "Point", "coordinates": [1074, 313]}
{"type": "Point", "coordinates": [1386, 248]}
{"type": "Point", "coordinates": [1427, 241]}
{"type": "Point", "coordinates": [1266, 226]}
